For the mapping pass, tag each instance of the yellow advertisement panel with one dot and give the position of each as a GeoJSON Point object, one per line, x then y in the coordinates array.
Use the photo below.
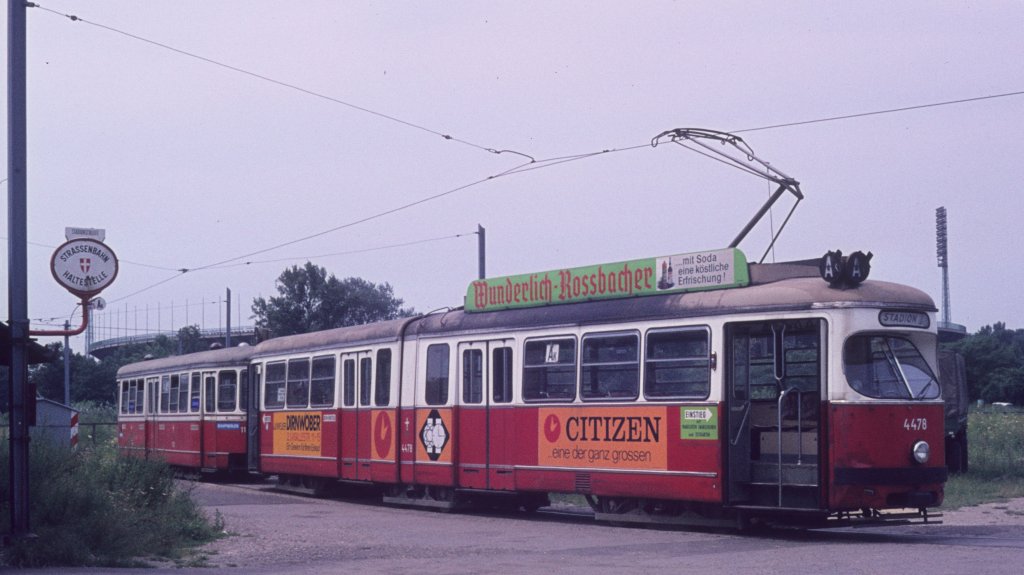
{"type": "Point", "coordinates": [603, 437]}
{"type": "Point", "coordinates": [297, 433]}
{"type": "Point", "coordinates": [434, 435]}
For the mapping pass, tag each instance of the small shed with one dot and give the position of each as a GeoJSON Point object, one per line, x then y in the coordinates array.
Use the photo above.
{"type": "Point", "coordinates": [56, 423]}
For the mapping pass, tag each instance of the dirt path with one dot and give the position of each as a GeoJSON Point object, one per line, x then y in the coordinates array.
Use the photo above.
{"type": "Point", "coordinates": [1003, 513]}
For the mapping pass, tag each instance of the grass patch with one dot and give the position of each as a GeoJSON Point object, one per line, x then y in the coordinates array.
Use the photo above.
{"type": "Point", "coordinates": [996, 453]}
{"type": "Point", "coordinates": [92, 507]}
{"type": "Point", "coordinates": [965, 490]}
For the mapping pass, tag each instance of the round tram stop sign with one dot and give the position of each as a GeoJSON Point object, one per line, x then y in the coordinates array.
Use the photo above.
{"type": "Point", "coordinates": [85, 267]}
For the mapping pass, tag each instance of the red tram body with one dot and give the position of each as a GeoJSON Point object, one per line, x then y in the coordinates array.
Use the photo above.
{"type": "Point", "coordinates": [189, 410]}
{"type": "Point", "coordinates": [784, 398]}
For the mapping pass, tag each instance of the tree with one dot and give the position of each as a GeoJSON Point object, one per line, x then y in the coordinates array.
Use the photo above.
{"type": "Point", "coordinates": [92, 379]}
{"type": "Point", "coordinates": [310, 300]}
{"type": "Point", "coordinates": [190, 340]}
{"type": "Point", "coordinates": [994, 360]}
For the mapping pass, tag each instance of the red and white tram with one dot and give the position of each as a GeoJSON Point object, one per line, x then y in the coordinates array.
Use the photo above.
{"type": "Point", "coordinates": [770, 393]}
{"type": "Point", "coordinates": [189, 409]}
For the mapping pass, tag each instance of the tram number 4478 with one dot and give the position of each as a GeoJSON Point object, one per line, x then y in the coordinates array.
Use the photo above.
{"type": "Point", "coordinates": [915, 424]}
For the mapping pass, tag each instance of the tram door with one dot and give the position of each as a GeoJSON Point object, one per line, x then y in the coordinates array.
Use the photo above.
{"type": "Point", "coordinates": [356, 384]}
{"type": "Point", "coordinates": [207, 421]}
{"type": "Point", "coordinates": [153, 399]}
{"type": "Point", "coordinates": [252, 417]}
{"type": "Point", "coordinates": [484, 380]}
{"type": "Point", "coordinates": [774, 386]}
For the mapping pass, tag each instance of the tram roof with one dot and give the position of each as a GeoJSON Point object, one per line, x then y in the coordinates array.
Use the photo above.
{"type": "Point", "coordinates": [771, 289]}
{"type": "Point", "coordinates": [371, 333]}
{"type": "Point", "coordinates": [214, 358]}
{"type": "Point", "coordinates": [793, 286]}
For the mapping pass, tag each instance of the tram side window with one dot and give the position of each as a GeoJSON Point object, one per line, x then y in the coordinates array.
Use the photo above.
{"type": "Point", "coordinates": [298, 383]}
{"type": "Point", "coordinates": [227, 391]}
{"type": "Point", "coordinates": [501, 374]}
{"type": "Point", "coordinates": [365, 380]}
{"type": "Point", "coordinates": [754, 367]}
{"type": "Point", "coordinates": [132, 396]}
{"type": "Point", "coordinates": [183, 393]}
{"type": "Point", "coordinates": [802, 359]}
{"type": "Point", "coordinates": [124, 397]}
{"type": "Point", "coordinates": [165, 391]}
{"type": "Point", "coordinates": [137, 404]}
{"type": "Point", "coordinates": [472, 376]}
{"type": "Point", "coordinates": [761, 371]}
{"type": "Point", "coordinates": [194, 404]}
{"type": "Point", "coordinates": [887, 367]}
{"type": "Point", "coordinates": [437, 374]}
{"type": "Point", "coordinates": [151, 385]}
{"type": "Point", "coordinates": [677, 364]}
{"type": "Point", "coordinates": [610, 366]}
{"type": "Point", "coordinates": [349, 382]}
{"type": "Point", "coordinates": [321, 387]}
{"type": "Point", "coordinates": [210, 383]}
{"type": "Point", "coordinates": [549, 370]}
{"type": "Point", "coordinates": [382, 393]}
{"type": "Point", "coordinates": [172, 393]}
{"type": "Point", "coordinates": [273, 386]}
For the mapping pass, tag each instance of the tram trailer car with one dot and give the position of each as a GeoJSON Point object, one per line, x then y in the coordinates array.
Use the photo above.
{"type": "Point", "coordinates": [188, 410]}
{"type": "Point", "coordinates": [785, 398]}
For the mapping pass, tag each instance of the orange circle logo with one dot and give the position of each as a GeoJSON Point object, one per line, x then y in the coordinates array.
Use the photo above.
{"type": "Point", "coordinates": [552, 428]}
{"type": "Point", "coordinates": [382, 434]}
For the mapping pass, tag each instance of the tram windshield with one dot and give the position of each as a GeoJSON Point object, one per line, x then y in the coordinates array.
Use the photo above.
{"type": "Point", "coordinates": [888, 367]}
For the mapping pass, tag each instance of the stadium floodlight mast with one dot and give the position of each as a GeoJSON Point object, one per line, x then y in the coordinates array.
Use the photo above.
{"type": "Point", "coordinates": [941, 253]}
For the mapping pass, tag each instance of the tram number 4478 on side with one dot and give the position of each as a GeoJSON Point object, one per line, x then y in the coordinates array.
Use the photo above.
{"type": "Point", "coordinates": [915, 424]}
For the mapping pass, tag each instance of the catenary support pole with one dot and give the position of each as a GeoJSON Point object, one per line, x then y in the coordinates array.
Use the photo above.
{"type": "Point", "coordinates": [67, 364]}
{"type": "Point", "coordinates": [227, 330]}
{"type": "Point", "coordinates": [17, 258]}
{"type": "Point", "coordinates": [481, 242]}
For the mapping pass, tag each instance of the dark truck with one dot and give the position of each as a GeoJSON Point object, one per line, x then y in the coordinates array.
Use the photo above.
{"type": "Point", "coordinates": [953, 379]}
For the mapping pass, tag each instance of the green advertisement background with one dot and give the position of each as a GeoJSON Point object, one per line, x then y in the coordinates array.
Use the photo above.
{"type": "Point", "coordinates": [649, 266]}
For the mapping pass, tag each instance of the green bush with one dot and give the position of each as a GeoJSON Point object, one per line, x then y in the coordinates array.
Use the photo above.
{"type": "Point", "coordinates": [92, 507]}
{"type": "Point", "coordinates": [97, 423]}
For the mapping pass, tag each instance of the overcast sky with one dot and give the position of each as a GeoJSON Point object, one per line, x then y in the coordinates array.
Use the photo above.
{"type": "Point", "coordinates": [339, 113]}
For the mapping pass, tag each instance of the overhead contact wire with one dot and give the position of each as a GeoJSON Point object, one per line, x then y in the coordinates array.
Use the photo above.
{"type": "Point", "coordinates": [281, 83]}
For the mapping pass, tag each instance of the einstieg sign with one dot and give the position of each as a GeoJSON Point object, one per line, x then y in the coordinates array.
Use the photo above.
{"type": "Point", "coordinates": [84, 266]}
{"type": "Point", "coordinates": [698, 271]}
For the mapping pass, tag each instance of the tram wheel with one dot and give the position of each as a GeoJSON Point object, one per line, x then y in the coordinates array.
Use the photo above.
{"type": "Point", "coordinates": [440, 493]}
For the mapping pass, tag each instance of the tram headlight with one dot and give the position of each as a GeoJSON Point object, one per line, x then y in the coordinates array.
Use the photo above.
{"type": "Point", "coordinates": [920, 451]}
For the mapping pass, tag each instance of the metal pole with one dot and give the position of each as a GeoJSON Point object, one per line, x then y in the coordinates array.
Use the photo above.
{"type": "Point", "coordinates": [757, 217]}
{"type": "Point", "coordinates": [67, 365]}
{"type": "Point", "coordinates": [17, 258]}
{"type": "Point", "coordinates": [481, 249]}
{"type": "Point", "coordinates": [227, 332]}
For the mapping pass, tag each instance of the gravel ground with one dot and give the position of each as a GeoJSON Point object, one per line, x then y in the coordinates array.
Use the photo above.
{"type": "Point", "coordinates": [287, 531]}
{"type": "Point", "coordinates": [277, 533]}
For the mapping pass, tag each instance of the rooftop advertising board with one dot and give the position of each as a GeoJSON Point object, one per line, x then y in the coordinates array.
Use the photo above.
{"type": "Point", "coordinates": [697, 271]}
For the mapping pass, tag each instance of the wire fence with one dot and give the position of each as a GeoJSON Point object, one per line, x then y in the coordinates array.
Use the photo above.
{"type": "Point", "coordinates": [92, 433]}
